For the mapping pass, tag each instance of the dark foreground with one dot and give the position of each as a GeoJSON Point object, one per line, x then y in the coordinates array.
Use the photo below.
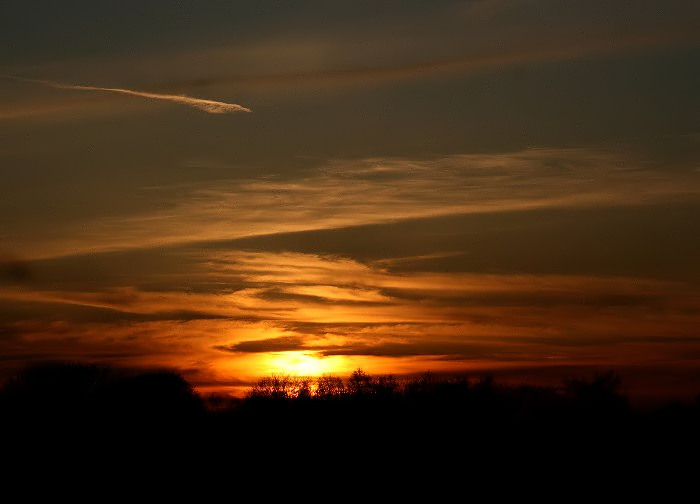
{"type": "Point", "coordinates": [97, 417]}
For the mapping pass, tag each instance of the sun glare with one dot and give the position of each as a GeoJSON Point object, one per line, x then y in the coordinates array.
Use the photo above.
{"type": "Point", "coordinates": [299, 363]}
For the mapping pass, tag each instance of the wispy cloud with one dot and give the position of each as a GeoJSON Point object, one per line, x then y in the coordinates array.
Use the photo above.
{"type": "Point", "coordinates": [321, 296]}
{"type": "Point", "coordinates": [360, 192]}
{"type": "Point", "coordinates": [292, 286]}
{"type": "Point", "coordinates": [209, 106]}
{"type": "Point", "coordinates": [471, 37]}
{"type": "Point", "coordinates": [477, 62]}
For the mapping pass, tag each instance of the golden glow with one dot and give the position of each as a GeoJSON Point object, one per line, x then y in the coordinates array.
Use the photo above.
{"type": "Point", "coordinates": [300, 364]}
{"type": "Point", "coordinates": [309, 315]}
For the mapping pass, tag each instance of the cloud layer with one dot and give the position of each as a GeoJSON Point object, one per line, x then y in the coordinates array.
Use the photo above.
{"type": "Point", "coordinates": [252, 309]}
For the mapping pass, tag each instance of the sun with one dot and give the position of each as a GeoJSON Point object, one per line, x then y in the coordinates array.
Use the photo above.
{"type": "Point", "coordinates": [298, 363]}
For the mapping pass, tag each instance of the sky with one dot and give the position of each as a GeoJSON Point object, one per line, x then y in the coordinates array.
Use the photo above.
{"type": "Point", "coordinates": [235, 189]}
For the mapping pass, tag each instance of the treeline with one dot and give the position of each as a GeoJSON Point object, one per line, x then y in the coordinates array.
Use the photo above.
{"type": "Point", "coordinates": [438, 402]}
{"type": "Point", "coordinates": [75, 389]}
{"type": "Point", "coordinates": [601, 392]}
{"type": "Point", "coordinates": [113, 408]}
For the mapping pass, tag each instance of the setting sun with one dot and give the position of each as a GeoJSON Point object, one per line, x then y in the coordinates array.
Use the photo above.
{"type": "Point", "coordinates": [300, 364]}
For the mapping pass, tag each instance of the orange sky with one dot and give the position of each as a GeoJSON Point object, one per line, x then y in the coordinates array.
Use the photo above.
{"type": "Point", "coordinates": [467, 186]}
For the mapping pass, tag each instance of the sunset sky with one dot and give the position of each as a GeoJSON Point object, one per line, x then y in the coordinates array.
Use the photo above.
{"type": "Point", "coordinates": [240, 188]}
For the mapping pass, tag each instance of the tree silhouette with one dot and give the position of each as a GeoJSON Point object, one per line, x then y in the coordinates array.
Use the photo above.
{"type": "Point", "coordinates": [77, 394]}
{"type": "Point", "coordinates": [329, 387]}
{"type": "Point", "coordinates": [157, 396]}
{"type": "Point", "coordinates": [601, 394]}
{"type": "Point", "coordinates": [55, 390]}
{"type": "Point", "coordinates": [359, 384]}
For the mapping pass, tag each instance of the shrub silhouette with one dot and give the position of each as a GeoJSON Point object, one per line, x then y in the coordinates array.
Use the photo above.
{"type": "Point", "coordinates": [281, 387]}
{"type": "Point", "coordinates": [54, 390]}
{"type": "Point", "coordinates": [601, 394]}
{"type": "Point", "coordinates": [157, 396]}
{"type": "Point", "coordinates": [86, 394]}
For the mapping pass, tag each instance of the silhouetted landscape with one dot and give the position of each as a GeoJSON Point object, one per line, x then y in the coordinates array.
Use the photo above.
{"type": "Point", "coordinates": [112, 412]}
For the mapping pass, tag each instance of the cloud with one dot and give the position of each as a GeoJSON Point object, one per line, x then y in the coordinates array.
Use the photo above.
{"type": "Point", "coordinates": [282, 344]}
{"type": "Point", "coordinates": [338, 301]}
{"type": "Point", "coordinates": [131, 303]}
{"type": "Point", "coordinates": [396, 47]}
{"type": "Point", "coordinates": [345, 193]}
{"type": "Point", "coordinates": [453, 316]}
{"type": "Point", "coordinates": [473, 37]}
{"type": "Point", "coordinates": [454, 349]}
{"type": "Point", "coordinates": [571, 50]}
{"type": "Point", "coordinates": [13, 270]}
{"type": "Point", "coordinates": [209, 106]}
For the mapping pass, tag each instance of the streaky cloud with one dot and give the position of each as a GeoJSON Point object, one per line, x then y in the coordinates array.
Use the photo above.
{"type": "Point", "coordinates": [381, 190]}
{"type": "Point", "coordinates": [209, 106]}
{"type": "Point", "coordinates": [280, 344]}
{"type": "Point", "coordinates": [541, 49]}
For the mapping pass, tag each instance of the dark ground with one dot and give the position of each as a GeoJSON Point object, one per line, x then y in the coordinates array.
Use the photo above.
{"type": "Point", "coordinates": [97, 420]}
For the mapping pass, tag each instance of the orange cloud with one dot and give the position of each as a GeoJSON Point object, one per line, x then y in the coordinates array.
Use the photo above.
{"type": "Point", "coordinates": [291, 309]}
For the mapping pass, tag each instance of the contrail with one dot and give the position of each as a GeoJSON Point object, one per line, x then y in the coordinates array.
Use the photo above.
{"type": "Point", "coordinates": [209, 106]}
